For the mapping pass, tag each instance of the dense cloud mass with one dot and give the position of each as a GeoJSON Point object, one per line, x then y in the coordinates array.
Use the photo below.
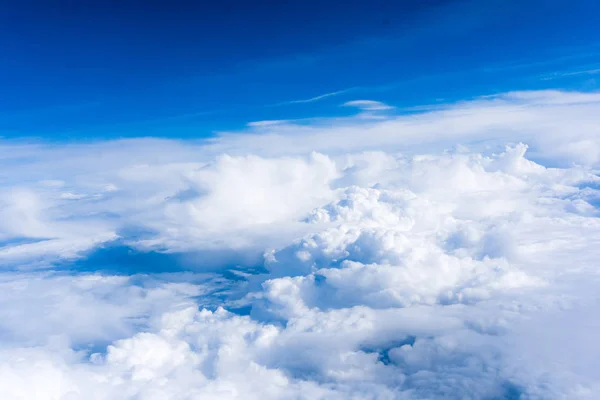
{"type": "Point", "coordinates": [447, 254]}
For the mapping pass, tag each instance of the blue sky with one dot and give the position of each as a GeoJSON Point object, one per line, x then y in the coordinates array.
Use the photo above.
{"type": "Point", "coordinates": [105, 69]}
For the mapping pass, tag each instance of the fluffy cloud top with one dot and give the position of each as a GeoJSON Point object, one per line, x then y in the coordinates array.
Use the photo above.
{"type": "Point", "coordinates": [446, 254]}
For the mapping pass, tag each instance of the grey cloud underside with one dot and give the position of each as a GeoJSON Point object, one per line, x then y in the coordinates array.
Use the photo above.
{"type": "Point", "coordinates": [170, 270]}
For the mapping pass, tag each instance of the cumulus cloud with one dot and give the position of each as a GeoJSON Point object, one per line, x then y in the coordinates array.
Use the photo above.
{"type": "Point", "coordinates": [446, 254]}
{"type": "Point", "coordinates": [88, 308]}
{"type": "Point", "coordinates": [237, 198]}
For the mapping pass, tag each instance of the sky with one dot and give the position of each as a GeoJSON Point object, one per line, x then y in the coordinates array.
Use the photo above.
{"type": "Point", "coordinates": [312, 200]}
{"type": "Point", "coordinates": [189, 69]}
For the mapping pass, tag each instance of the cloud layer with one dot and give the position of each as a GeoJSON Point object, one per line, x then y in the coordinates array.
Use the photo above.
{"type": "Point", "coordinates": [446, 254]}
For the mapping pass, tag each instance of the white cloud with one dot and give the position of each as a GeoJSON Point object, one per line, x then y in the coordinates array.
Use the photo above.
{"type": "Point", "coordinates": [316, 98]}
{"type": "Point", "coordinates": [561, 74]}
{"type": "Point", "coordinates": [368, 105]}
{"type": "Point", "coordinates": [422, 256]}
{"type": "Point", "coordinates": [266, 123]}
{"type": "Point", "coordinates": [84, 309]}
{"type": "Point", "coordinates": [560, 128]}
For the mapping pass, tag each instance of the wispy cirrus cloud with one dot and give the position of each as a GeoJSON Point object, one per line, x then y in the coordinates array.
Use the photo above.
{"type": "Point", "coordinates": [561, 74]}
{"type": "Point", "coordinates": [313, 99]}
{"type": "Point", "coordinates": [368, 105]}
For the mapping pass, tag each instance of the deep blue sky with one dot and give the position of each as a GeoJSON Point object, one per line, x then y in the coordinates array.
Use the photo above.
{"type": "Point", "coordinates": [91, 69]}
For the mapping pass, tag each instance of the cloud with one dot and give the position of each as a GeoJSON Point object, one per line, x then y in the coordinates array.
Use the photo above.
{"type": "Point", "coordinates": [316, 98]}
{"type": "Point", "coordinates": [266, 123]}
{"type": "Point", "coordinates": [242, 198]}
{"type": "Point", "coordinates": [446, 254]}
{"type": "Point", "coordinates": [83, 309]}
{"type": "Point", "coordinates": [561, 74]}
{"type": "Point", "coordinates": [539, 118]}
{"type": "Point", "coordinates": [368, 105]}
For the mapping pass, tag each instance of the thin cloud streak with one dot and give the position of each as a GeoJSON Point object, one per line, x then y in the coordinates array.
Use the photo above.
{"type": "Point", "coordinates": [312, 99]}
{"type": "Point", "coordinates": [562, 74]}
